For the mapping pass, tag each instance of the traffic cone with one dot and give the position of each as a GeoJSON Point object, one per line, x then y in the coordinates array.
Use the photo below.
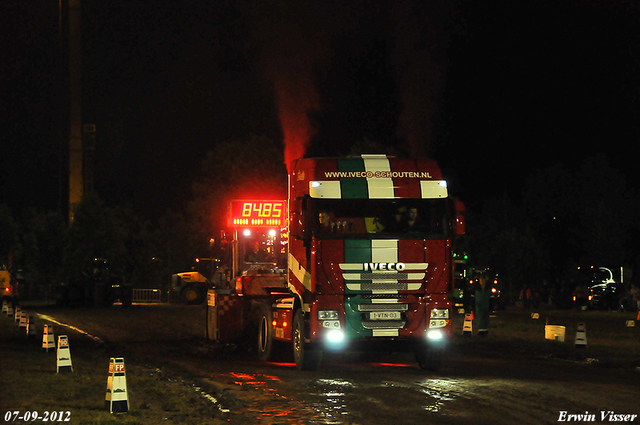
{"type": "Point", "coordinates": [116, 399]}
{"type": "Point", "coordinates": [31, 327]}
{"type": "Point", "coordinates": [5, 307]}
{"type": "Point", "coordinates": [64, 355]}
{"type": "Point", "coordinates": [47, 338]}
{"type": "Point", "coordinates": [16, 314]}
{"type": "Point", "coordinates": [638, 315]}
{"type": "Point", "coordinates": [581, 336]}
{"type": "Point", "coordinates": [10, 310]}
{"type": "Point", "coordinates": [467, 329]}
{"type": "Point", "coordinates": [23, 321]}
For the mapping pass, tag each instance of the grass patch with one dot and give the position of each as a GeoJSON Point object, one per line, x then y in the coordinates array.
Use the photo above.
{"type": "Point", "coordinates": [609, 341]}
{"type": "Point", "coordinates": [30, 383]}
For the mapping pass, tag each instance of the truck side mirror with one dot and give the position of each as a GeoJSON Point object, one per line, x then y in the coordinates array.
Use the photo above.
{"type": "Point", "coordinates": [297, 227]}
{"type": "Point", "coordinates": [459, 226]}
{"type": "Point", "coordinates": [224, 242]}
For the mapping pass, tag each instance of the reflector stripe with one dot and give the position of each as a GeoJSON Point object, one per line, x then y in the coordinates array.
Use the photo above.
{"type": "Point", "coordinates": [384, 251]}
{"type": "Point", "coordinates": [379, 188]}
{"type": "Point", "coordinates": [300, 272]}
{"type": "Point", "coordinates": [433, 189]}
{"type": "Point", "coordinates": [325, 189]}
{"type": "Point", "coordinates": [385, 332]}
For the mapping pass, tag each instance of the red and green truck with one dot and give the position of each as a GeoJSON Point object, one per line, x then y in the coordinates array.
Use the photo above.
{"type": "Point", "coordinates": [360, 256]}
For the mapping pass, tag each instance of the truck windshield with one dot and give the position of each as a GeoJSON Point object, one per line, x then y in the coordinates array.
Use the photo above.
{"type": "Point", "coordinates": [381, 218]}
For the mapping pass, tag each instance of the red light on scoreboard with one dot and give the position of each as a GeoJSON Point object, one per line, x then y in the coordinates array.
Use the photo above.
{"type": "Point", "coordinates": [257, 213]}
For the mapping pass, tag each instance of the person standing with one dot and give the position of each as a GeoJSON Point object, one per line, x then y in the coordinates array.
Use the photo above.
{"type": "Point", "coordinates": [483, 305]}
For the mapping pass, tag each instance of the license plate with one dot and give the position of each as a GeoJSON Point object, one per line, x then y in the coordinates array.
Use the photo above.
{"type": "Point", "coordinates": [384, 315]}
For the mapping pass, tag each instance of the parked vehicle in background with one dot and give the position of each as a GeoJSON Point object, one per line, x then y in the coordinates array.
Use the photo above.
{"type": "Point", "coordinates": [605, 288]}
{"type": "Point", "coordinates": [191, 287]}
{"type": "Point", "coordinates": [8, 286]}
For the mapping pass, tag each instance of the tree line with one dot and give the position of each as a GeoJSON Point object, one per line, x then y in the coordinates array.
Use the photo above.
{"type": "Point", "coordinates": [565, 218]}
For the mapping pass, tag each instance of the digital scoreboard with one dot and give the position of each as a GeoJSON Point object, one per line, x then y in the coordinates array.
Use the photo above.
{"type": "Point", "coordinates": [257, 213]}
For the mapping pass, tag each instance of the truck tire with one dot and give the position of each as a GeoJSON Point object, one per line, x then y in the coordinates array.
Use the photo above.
{"type": "Point", "coordinates": [265, 333]}
{"type": "Point", "coordinates": [192, 295]}
{"type": "Point", "coordinates": [429, 357]}
{"type": "Point", "coordinates": [306, 356]}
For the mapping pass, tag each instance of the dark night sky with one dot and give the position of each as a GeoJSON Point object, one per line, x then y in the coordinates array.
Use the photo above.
{"type": "Point", "coordinates": [493, 90]}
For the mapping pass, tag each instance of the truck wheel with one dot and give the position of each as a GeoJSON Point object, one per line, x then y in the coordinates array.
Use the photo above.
{"type": "Point", "coordinates": [192, 295]}
{"type": "Point", "coordinates": [306, 356]}
{"type": "Point", "coordinates": [429, 357]}
{"type": "Point", "coordinates": [265, 333]}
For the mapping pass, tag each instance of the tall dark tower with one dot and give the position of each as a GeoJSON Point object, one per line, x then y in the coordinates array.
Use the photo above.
{"type": "Point", "coordinates": [76, 183]}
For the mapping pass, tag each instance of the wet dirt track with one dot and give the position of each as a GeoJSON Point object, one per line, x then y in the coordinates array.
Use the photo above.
{"type": "Point", "coordinates": [465, 391]}
{"type": "Point", "coordinates": [476, 385]}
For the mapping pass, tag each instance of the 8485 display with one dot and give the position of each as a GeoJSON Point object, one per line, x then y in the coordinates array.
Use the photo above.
{"type": "Point", "coordinates": [32, 416]}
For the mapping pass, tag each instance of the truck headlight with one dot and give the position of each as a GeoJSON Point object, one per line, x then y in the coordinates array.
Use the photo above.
{"type": "Point", "coordinates": [440, 313]}
{"type": "Point", "coordinates": [328, 315]}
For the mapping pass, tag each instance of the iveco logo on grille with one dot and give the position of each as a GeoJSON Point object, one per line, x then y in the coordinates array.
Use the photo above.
{"type": "Point", "coordinates": [384, 266]}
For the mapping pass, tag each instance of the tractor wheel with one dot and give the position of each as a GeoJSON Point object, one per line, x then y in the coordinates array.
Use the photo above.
{"type": "Point", "coordinates": [265, 333]}
{"type": "Point", "coordinates": [192, 295]}
{"type": "Point", "coordinates": [306, 356]}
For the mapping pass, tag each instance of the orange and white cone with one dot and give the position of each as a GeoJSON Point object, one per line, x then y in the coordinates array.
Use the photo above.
{"type": "Point", "coordinates": [116, 399]}
{"type": "Point", "coordinates": [5, 307]}
{"type": "Point", "coordinates": [31, 327]}
{"type": "Point", "coordinates": [64, 355]}
{"type": "Point", "coordinates": [17, 314]}
{"type": "Point", "coordinates": [467, 328]}
{"type": "Point", "coordinates": [10, 310]}
{"type": "Point", "coordinates": [47, 338]}
{"type": "Point", "coordinates": [23, 321]}
{"type": "Point", "coordinates": [581, 336]}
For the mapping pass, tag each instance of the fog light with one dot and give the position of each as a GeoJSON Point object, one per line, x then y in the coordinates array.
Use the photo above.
{"type": "Point", "coordinates": [434, 335]}
{"type": "Point", "coordinates": [335, 336]}
{"type": "Point", "coordinates": [331, 324]}
{"type": "Point", "coordinates": [437, 323]}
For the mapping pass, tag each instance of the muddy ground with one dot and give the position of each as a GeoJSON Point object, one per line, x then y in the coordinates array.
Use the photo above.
{"type": "Point", "coordinates": [513, 376]}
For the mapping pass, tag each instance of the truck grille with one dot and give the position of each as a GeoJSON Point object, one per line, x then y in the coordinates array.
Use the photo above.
{"type": "Point", "coordinates": [396, 286]}
{"type": "Point", "coordinates": [383, 307]}
{"type": "Point", "coordinates": [389, 324]}
{"type": "Point", "coordinates": [394, 276]}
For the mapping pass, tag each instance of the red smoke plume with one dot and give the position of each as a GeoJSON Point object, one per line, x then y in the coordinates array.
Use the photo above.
{"type": "Point", "coordinates": [293, 40]}
{"type": "Point", "coordinates": [295, 97]}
